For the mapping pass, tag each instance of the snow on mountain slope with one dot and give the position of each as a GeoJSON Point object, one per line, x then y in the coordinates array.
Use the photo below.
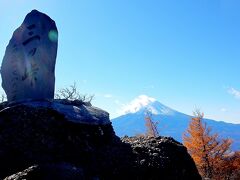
{"type": "Point", "coordinates": [171, 122]}
{"type": "Point", "coordinates": [143, 102]}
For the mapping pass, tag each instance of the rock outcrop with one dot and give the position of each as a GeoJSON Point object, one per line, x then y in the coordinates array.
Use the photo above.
{"type": "Point", "coordinates": [38, 141]}
{"type": "Point", "coordinates": [161, 158]}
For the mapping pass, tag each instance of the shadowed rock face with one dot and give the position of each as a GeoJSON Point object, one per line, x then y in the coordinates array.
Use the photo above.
{"type": "Point", "coordinates": [161, 158]}
{"type": "Point", "coordinates": [40, 142]}
{"type": "Point", "coordinates": [28, 66]}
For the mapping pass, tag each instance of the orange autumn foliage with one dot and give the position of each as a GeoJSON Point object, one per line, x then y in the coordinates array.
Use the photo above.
{"type": "Point", "coordinates": [230, 167]}
{"type": "Point", "coordinates": [211, 154]}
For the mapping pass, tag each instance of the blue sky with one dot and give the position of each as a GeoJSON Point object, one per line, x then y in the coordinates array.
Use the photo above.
{"type": "Point", "coordinates": [186, 54]}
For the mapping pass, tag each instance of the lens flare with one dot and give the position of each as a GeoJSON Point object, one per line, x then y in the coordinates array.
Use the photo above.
{"type": "Point", "coordinates": [53, 35]}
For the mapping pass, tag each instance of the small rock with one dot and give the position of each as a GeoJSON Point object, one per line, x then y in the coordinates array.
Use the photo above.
{"type": "Point", "coordinates": [142, 161]}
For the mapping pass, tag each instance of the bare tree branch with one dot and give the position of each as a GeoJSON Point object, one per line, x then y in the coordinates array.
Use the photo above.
{"type": "Point", "coordinates": [71, 93]}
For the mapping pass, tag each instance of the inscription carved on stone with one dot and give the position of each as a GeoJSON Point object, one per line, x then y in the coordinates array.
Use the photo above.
{"type": "Point", "coordinates": [28, 66]}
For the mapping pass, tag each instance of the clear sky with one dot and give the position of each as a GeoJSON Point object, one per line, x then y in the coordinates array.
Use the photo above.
{"type": "Point", "coordinates": [186, 54]}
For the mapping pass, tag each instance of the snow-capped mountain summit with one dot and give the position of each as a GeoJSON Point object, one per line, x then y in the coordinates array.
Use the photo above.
{"type": "Point", "coordinates": [143, 103]}
{"type": "Point", "coordinates": [171, 122]}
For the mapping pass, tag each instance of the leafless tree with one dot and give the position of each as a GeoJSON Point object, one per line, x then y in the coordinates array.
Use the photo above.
{"type": "Point", "coordinates": [3, 98]}
{"type": "Point", "coordinates": [151, 126]}
{"type": "Point", "coordinates": [71, 93]}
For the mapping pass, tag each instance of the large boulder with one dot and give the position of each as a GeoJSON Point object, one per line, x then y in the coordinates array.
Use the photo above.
{"type": "Point", "coordinates": [161, 158]}
{"type": "Point", "coordinates": [73, 140]}
{"type": "Point", "coordinates": [28, 67]}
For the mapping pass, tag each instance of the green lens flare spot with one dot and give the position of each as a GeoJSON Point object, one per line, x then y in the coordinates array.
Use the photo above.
{"type": "Point", "coordinates": [53, 35]}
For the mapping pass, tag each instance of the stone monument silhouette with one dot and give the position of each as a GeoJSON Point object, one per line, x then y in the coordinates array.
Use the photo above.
{"type": "Point", "coordinates": [28, 66]}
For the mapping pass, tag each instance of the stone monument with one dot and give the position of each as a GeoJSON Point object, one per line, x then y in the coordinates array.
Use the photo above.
{"type": "Point", "coordinates": [28, 67]}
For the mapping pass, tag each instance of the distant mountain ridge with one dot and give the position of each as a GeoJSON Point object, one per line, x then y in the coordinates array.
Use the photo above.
{"type": "Point", "coordinates": [171, 122]}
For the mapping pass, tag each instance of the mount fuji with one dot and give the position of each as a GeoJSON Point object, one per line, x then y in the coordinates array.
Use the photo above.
{"type": "Point", "coordinates": [170, 122]}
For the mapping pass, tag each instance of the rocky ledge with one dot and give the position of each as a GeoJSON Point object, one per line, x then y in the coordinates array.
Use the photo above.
{"type": "Point", "coordinates": [71, 140]}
